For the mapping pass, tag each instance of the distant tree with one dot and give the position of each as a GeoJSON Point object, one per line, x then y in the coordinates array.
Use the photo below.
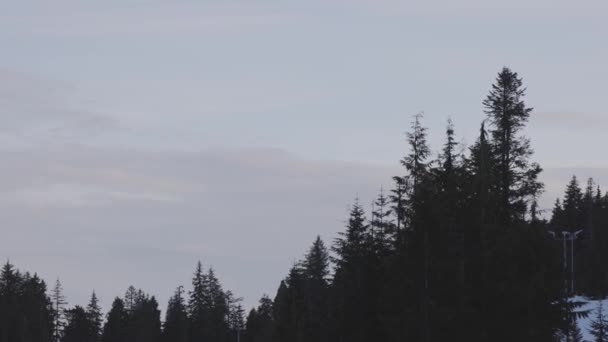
{"type": "Point", "coordinates": [115, 328]}
{"type": "Point", "coordinates": [95, 317]}
{"type": "Point", "coordinates": [144, 321]}
{"type": "Point", "coordinates": [198, 304]}
{"type": "Point", "coordinates": [176, 319]}
{"type": "Point", "coordinates": [236, 316]}
{"type": "Point", "coordinates": [25, 310]}
{"type": "Point", "coordinates": [416, 162]}
{"type": "Point", "coordinates": [383, 230]}
{"type": "Point", "coordinates": [573, 206]}
{"type": "Point", "coordinates": [260, 325]}
{"type": "Point", "coordinates": [79, 327]}
{"type": "Point", "coordinates": [132, 298]}
{"type": "Point", "coordinates": [208, 308]}
{"type": "Point", "coordinates": [353, 299]}
{"type": "Point", "coordinates": [316, 292]}
{"type": "Point", "coordinates": [219, 311]}
{"type": "Point", "coordinates": [290, 307]}
{"type": "Point", "coordinates": [35, 308]}
{"type": "Point", "coordinates": [59, 303]}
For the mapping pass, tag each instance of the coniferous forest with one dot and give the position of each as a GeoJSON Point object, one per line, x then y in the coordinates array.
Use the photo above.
{"type": "Point", "coordinates": [456, 250]}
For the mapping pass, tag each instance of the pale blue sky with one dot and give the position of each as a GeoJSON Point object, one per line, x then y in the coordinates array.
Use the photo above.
{"type": "Point", "coordinates": [145, 109]}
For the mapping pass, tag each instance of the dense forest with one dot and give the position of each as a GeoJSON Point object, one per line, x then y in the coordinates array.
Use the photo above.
{"type": "Point", "coordinates": [456, 250]}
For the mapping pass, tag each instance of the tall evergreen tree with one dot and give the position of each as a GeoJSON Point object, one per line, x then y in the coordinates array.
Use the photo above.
{"type": "Point", "coordinates": [59, 303]}
{"type": "Point", "coordinates": [115, 328]}
{"type": "Point", "coordinates": [207, 307]}
{"type": "Point", "coordinates": [517, 178]}
{"type": "Point", "coordinates": [144, 321]}
{"type": "Point", "coordinates": [35, 309]}
{"type": "Point", "coordinates": [198, 305]}
{"type": "Point", "coordinates": [79, 326]}
{"type": "Point", "coordinates": [95, 317]}
{"type": "Point", "coordinates": [316, 292]}
{"type": "Point", "coordinates": [354, 302]}
{"type": "Point", "coordinates": [290, 307]}
{"type": "Point", "coordinates": [260, 322]}
{"type": "Point", "coordinates": [383, 229]}
{"type": "Point", "coordinates": [176, 319]}
{"type": "Point", "coordinates": [416, 164]}
{"type": "Point", "coordinates": [236, 316]}
{"type": "Point", "coordinates": [218, 328]}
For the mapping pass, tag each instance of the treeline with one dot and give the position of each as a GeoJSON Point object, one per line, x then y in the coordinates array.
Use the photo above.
{"type": "Point", "coordinates": [29, 314]}
{"type": "Point", "coordinates": [455, 250]}
{"type": "Point", "coordinates": [584, 211]}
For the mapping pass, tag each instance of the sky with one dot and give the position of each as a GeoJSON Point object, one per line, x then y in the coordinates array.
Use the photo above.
{"type": "Point", "coordinates": [138, 137]}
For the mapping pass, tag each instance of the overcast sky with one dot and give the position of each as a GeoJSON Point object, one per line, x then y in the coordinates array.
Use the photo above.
{"type": "Point", "coordinates": [137, 137]}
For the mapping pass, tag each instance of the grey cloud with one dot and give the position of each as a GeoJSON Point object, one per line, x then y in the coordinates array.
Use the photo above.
{"type": "Point", "coordinates": [571, 120]}
{"type": "Point", "coordinates": [38, 108]}
{"type": "Point", "coordinates": [152, 20]}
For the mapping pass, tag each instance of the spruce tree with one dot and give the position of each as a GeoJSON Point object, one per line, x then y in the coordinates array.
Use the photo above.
{"type": "Point", "coordinates": [382, 226]}
{"type": "Point", "coordinates": [416, 164]}
{"type": "Point", "coordinates": [198, 304]}
{"type": "Point", "coordinates": [116, 326]}
{"type": "Point", "coordinates": [78, 327]}
{"type": "Point", "coordinates": [218, 328]}
{"type": "Point", "coordinates": [236, 316]}
{"type": "Point", "coordinates": [354, 302]}
{"type": "Point", "coordinates": [176, 319]}
{"type": "Point", "coordinates": [95, 316]}
{"type": "Point", "coordinates": [59, 303]}
{"type": "Point", "coordinates": [517, 177]}
{"type": "Point", "coordinates": [316, 292]}
{"type": "Point", "coordinates": [261, 322]}
{"type": "Point", "coordinates": [35, 309]}
{"type": "Point", "coordinates": [144, 321]}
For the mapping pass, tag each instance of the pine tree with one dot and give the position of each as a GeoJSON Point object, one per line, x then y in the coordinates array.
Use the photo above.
{"type": "Point", "coordinates": [416, 164]}
{"type": "Point", "coordinates": [573, 205]}
{"type": "Point", "coordinates": [198, 304]}
{"type": "Point", "coordinates": [144, 320]}
{"type": "Point", "coordinates": [218, 323]}
{"type": "Point", "coordinates": [207, 307]}
{"type": "Point", "coordinates": [316, 263]}
{"type": "Point", "coordinates": [176, 319]}
{"type": "Point", "coordinates": [26, 313]}
{"type": "Point", "coordinates": [79, 326]}
{"type": "Point", "coordinates": [115, 328]}
{"type": "Point", "coordinates": [416, 161]}
{"type": "Point", "coordinates": [35, 309]}
{"type": "Point", "coordinates": [354, 302]}
{"type": "Point", "coordinates": [517, 178]}
{"type": "Point", "coordinates": [316, 292]}
{"type": "Point", "coordinates": [382, 226]}
{"type": "Point", "coordinates": [236, 316]}
{"type": "Point", "coordinates": [132, 297]}
{"type": "Point", "coordinates": [59, 303]}
{"type": "Point", "coordinates": [399, 207]}
{"type": "Point", "coordinates": [281, 312]}
{"type": "Point", "coordinates": [261, 322]}
{"type": "Point", "coordinates": [599, 326]}
{"type": "Point", "coordinates": [95, 316]}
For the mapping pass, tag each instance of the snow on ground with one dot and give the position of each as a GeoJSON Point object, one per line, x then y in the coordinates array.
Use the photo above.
{"type": "Point", "coordinates": [585, 323]}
